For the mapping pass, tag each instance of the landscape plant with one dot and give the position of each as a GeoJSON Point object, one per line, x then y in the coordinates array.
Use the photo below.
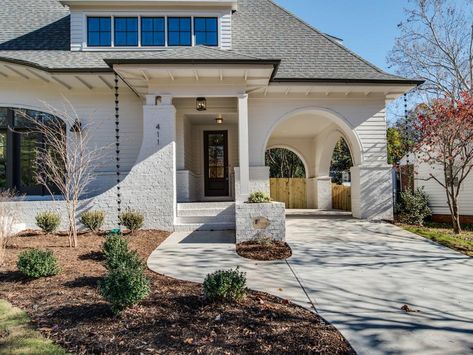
{"type": "Point", "coordinates": [446, 145]}
{"type": "Point", "coordinates": [259, 197]}
{"type": "Point", "coordinates": [67, 161]}
{"type": "Point", "coordinates": [36, 263]}
{"type": "Point", "coordinates": [413, 207]}
{"type": "Point", "coordinates": [48, 221]}
{"type": "Point", "coordinates": [131, 219]}
{"type": "Point", "coordinates": [8, 216]}
{"type": "Point", "coordinates": [93, 220]}
{"type": "Point", "coordinates": [225, 285]}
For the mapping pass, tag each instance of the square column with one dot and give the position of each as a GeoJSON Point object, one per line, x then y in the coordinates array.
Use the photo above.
{"type": "Point", "coordinates": [151, 185]}
{"type": "Point", "coordinates": [371, 189]}
{"type": "Point", "coordinates": [244, 158]}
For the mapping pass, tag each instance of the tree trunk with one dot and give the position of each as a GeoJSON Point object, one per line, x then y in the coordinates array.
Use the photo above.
{"type": "Point", "coordinates": [455, 217]}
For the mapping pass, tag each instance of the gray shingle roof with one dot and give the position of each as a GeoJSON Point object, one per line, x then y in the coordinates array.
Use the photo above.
{"type": "Point", "coordinates": [38, 32]}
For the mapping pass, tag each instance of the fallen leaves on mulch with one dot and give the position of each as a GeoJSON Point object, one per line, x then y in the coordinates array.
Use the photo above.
{"type": "Point", "coordinates": [174, 319]}
{"type": "Point", "coordinates": [256, 250]}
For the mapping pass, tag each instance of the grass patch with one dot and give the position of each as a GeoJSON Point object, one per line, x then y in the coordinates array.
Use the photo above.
{"type": "Point", "coordinates": [443, 234]}
{"type": "Point", "coordinates": [18, 337]}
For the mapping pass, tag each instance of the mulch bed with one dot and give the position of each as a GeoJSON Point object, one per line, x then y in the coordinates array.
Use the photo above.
{"type": "Point", "coordinates": [256, 250]}
{"type": "Point", "coordinates": [174, 319]}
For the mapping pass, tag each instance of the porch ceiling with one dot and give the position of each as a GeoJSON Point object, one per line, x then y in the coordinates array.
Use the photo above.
{"type": "Point", "coordinates": [302, 126]}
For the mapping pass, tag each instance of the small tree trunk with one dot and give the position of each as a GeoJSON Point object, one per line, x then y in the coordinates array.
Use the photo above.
{"type": "Point", "coordinates": [455, 217]}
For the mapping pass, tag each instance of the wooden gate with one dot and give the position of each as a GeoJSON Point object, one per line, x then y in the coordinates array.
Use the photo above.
{"type": "Point", "coordinates": [290, 191]}
{"type": "Point", "coordinates": [341, 197]}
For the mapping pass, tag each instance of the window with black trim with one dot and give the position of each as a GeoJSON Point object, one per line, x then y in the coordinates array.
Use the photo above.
{"type": "Point", "coordinates": [206, 31]}
{"type": "Point", "coordinates": [179, 31]}
{"type": "Point", "coordinates": [153, 31]}
{"type": "Point", "coordinates": [19, 143]}
{"type": "Point", "coordinates": [99, 31]}
{"type": "Point", "coordinates": [126, 31]}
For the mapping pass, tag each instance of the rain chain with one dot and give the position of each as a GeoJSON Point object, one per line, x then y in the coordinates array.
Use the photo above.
{"type": "Point", "coordinates": [117, 148]}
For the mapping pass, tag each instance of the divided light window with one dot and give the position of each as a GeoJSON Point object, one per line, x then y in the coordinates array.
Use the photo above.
{"type": "Point", "coordinates": [99, 31]}
{"type": "Point", "coordinates": [179, 31]}
{"type": "Point", "coordinates": [126, 31]}
{"type": "Point", "coordinates": [153, 31]}
{"type": "Point", "coordinates": [206, 31]}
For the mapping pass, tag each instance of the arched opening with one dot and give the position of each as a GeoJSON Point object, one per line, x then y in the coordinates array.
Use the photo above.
{"type": "Point", "coordinates": [314, 134]}
{"type": "Point", "coordinates": [341, 163]}
{"type": "Point", "coordinates": [19, 143]}
{"type": "Point", "coordinates": [284, 163]}
{"type": "Point", "coordinates": [287, 172]}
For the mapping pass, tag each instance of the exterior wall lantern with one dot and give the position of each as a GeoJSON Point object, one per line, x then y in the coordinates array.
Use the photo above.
{"type": "Point", "coordinates": [219, 119]}
{"type": "Point", "coordinates": [201, 104]}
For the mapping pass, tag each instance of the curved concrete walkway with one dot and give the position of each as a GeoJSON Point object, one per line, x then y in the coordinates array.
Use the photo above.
{"type": "Point", "coordinates": [357, 275]}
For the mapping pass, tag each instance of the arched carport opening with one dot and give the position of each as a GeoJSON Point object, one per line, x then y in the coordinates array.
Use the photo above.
{"type": "Point", "coordinates": [314, 133]}
{"type": "Point", "coordinates": [287, 173]}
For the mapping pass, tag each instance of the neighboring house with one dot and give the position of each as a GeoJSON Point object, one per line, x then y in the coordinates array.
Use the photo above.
{"type": "Point", "coordinates": [422, 172]}
{"type": "Point", "coordinates": [269, 78]}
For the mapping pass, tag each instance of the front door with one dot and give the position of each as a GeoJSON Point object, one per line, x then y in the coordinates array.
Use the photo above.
{"type": "Point", "coordinates": [216, 163]}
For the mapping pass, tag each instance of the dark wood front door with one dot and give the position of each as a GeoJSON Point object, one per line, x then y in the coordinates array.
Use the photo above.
{"type": "Point", "coordinates": [216, 163]}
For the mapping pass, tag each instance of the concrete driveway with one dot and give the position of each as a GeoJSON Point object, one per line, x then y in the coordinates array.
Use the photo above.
{"type": "Point", "coordinates": [357, 275]}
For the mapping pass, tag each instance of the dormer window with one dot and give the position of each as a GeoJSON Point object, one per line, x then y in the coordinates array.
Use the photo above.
{"type": "Point", "coordinates": [206, 31]}
{"type": "Point", "coordinates": [179, 31]}
{"type": "Point", "coordinates": [126, 31]}
{"type": "Point", "coordinates": [151, 31]}
{"type": "Point", "coordinates": [99, 32]}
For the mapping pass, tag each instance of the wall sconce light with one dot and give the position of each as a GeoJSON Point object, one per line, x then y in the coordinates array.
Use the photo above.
{"type": "Point", "coordinates": [219, 119]}
{"type": "Point", "coordinates": [76, 127]}
{"type": "Point", "coordinates": [201, 104]}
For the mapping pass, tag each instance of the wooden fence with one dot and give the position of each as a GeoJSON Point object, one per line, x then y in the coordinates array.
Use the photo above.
{"type": "Point", "coordinates": [341, 197]}
{"type": "Point", "coordinates": [290, 191]}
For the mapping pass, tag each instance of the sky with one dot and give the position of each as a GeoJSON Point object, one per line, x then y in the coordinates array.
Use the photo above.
{"type": "Point", "coordinates": [368, 27]}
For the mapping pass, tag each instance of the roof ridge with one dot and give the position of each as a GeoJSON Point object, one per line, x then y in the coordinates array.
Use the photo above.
{"type": "Point", "coordinates": [379, 70]}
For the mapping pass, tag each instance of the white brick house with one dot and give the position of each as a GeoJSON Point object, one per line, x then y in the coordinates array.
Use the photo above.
{"type": "Point", "coordinates": [273, 81]}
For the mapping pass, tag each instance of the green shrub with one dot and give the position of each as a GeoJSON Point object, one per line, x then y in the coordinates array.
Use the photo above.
{"type": "Point", "coordinates": [259, 197]}
{"type": "Point", "coordinates": [133, 220]}
{"type": "Point", "coordinates": [124, 287]}
{"type": "Point", "coordinates": [413, 207]}
{"type": "Point", "coordinates": [117, 255]}
{"type": "Point", "coordinates": [48, 221]}
{"type": "Point", "coordinates": [225, 285]}
{"type": "Point", "coordinates": [37, 263]}
{"type": "Point", "coordinates": [93, 220]}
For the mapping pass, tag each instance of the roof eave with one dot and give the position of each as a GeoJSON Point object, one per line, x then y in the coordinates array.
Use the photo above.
{"type": "Point", "coordinates": [415, 82]}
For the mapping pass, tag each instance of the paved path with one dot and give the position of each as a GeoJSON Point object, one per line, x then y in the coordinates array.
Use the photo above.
{"type": "Point", "coordinates": [357, 274]}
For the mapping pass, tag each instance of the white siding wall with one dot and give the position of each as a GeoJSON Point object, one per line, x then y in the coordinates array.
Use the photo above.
{"type": "Point", "coordinates": [77, 30]}
{"type": "Point", "coordinates": [436, 193]}
{"type": "Point", "coordinates": [226, 31]}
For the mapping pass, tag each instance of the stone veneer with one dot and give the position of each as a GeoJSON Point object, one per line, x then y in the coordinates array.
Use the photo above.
{"type": "Point", "coordinates": [255, 220]}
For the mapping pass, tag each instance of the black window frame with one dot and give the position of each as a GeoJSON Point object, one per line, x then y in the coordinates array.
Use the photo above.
{"type": "Point", "coordinates": [206, 31]}
{"type": "Point", "coordinates": [179, 31]}
{"type": "Point", "coordinates": [100, 31]}
{"type": "Point", "coordinates": [126, 31]}
{"type": "Point", "coordinates": [153, 31]}
{"type": "Point", "coordinates": [14, 135]}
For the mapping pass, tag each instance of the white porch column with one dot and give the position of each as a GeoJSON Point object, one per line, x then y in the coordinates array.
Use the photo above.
{"type": "Point", "coordinates": [152, 181]}
{"type": "Point", "coordinates": [323, 185]}
{"type": "Point", "coordinates": [371, 189]}
{"type": "Point", "coordinates": [243, 148]}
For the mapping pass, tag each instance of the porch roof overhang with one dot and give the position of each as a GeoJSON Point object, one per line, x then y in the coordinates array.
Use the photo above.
{"type": "Point", "coordinates": [191, 77]}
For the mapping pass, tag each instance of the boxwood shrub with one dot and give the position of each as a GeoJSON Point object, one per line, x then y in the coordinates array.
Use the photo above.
{"type": "Point", "coordinates": [93, 220]}
{"type": "Point", "coordinates": [37, 263]}
{"type": "Point", "coordinates": [48, 221]}
{"type": "Point", "coordinates": [225, 285]}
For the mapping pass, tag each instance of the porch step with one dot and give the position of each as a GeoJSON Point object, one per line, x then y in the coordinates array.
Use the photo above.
{"type": "Point", "coordinates": [190, 227]}
{"type": "Point", "coordinates": [205, 216]}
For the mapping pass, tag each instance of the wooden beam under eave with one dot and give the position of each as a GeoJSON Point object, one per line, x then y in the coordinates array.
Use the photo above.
{"type": "Point", "coordinates": [62, 83]}
{"type": "Point", "coordinates": [16, 71]}
{"type": "Point", "coordinates": [110, 86]}
{"type": "Point", "coordinates": [83, 82]}
{"type": "Point", "coordinates": [40, 77]}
